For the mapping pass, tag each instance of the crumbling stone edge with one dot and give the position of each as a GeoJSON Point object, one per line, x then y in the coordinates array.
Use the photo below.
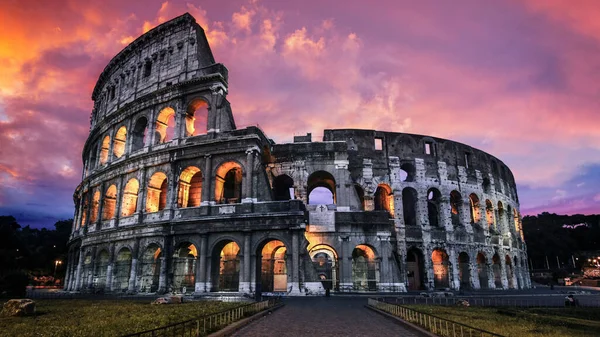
{"type": "Point", "coordinates": [234, 327]}
{"type": "Point", "coordinates": [414, 328]}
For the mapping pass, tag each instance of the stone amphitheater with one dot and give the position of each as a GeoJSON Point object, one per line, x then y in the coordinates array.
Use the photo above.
{"type": "Point", "coordinates": [175, 198]}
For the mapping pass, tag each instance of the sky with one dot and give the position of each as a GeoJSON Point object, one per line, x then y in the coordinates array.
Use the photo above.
{"type": "Point", "coordinates": [517, 79]}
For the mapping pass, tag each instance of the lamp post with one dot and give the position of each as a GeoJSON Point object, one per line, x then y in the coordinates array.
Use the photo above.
{"type": "Point", "coordinates": [56, 263]}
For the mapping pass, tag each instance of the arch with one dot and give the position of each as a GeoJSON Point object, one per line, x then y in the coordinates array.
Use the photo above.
{"type": "Point", "coordinates": [494, 168]}
{"type": "Point", "coordinates": [324, 187]}
{"type": "Point", "coordinates": [509, 272]}
{"type": "Point", "coordinates": [122, 270]}
{"type": "Point", "coordinates": [325, 262]}
{"type": "Point", "coordinates": [497, 270]}
{"type": "Point", "coordinates": [139, 134]}
{"type": "Point", "coordinates": [110, 203]}
{"type": "Point", "coordinates": [119, 142]}
{"type": "Point", "coordinates": [455, 207]}
{"type": "Point", "coordinates": [93, 157]}
{"type": "Point", "coordinates": [509, 217]}
{"type": "Point", "coordinates": [101, 269]}
{"type": "Point", "coordinates": [464, 270]}
{"type": "Point", "coordinates": [95, 207]}
{"type": "Point", "coordinates": [365, 269]}
{"type": "Point", "coordinates": [228, 183]}
{"type": "Point", "coordinates": [184, 267]}
{"type": "Point", "coordinates": [105, 150]}
{"type": "Point", "coordinates": [273, 267]}
{"type": "Point", "coordinates": [196, 118]}
{"type": "Point", "coordinates": [283, 187]}
{"type": "Point", "coordinates": [150, 267]}
{"type": "Point", "coordinates": [408, 172]}
{"type": "Point", "coordinates": [130, 197]}
{"type": "Point", "coordinates": [384, 199]}
{"type": "Point", "coordinates": [482, 270]}
{"type": "Point", "coordinates": [156, 198]}
{"type": "Point", "coordinates": [441, 276]}
{"type": "Point", "coordinates": [409, 206]}
{"type": "Point", "coordinates": [517, 221]}
{"type": "Point", "coordinates": [489, 214]}
{"type": "Point", "coordinates": [475, 208]}
{"type": "Point", "coordinates": [165, 125]}
{"type": "Point", "coordinates": [486, 185]}
{"type": "Point", "coordinates": [84, 209]}
{"type": "Point", "coordinates": [190, 187]}
{"type": "Point", "coordinates": [225, 266]}
{"type": "Point", "coordinates": [434, 198]}
{"type": "Point", "coordinates": [415, 275]}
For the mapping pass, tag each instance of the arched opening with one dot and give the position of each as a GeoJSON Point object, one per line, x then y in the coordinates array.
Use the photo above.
{"type": "Point", "coordinates": [87, 273]}
{"type": "Point", "coordinates": [407, 172]}
{"type": "Point", "coordinates": [150, 269]}
{"type": "Point", "coordinates": [84, 210]}
{"type": "Point", "coordinates": [500, 217]}
{"type": "Point", "coordinates": [494, 169]}
{"type": "Point", "coordinates": [415, 269]}
{"type": "Point", "coordinates": [122, 270]}
{"type": "Point", "coordinates": [518, 275]}
{"type": "Point", "coordinates": [509, 218]}
{"type": "Point", "coordinates": [365, 269]}
{"type": "Point", "coordinates": [139, 134]}
{"type": "Point", "coordinates": [165, 125]}
{"type": "Point", "coordinates": [110, 203]}
{"type": "Point", "coordinates": [156, 198]}
{"type": "Point", "coordinates": [434, 198]}
{"type": "Point", "coordinates": [325, 263]}
{"type": "Point", "coordinates": [517, 221]}
{"type": "Point", "coordinates": [105, 150]}
{"type": "Point", "coordinates": [94, 157]}
{"type": "Point", "coordinates": [196, 118]}
{"type": "Point", "coordinates": [475, 208]}
{"type": "Point", "coordinates": [321, 188]}
{"type": "Point", "coordinates": [271, 267]}
{"type": "Point", "coordinates": [226, 267]}
{"type": "Point", "coordinates": [119, 142]}
{"type": "Point", "coordinates": [100, 271]}
{"type": "Point", "coordinates": [455, 204]}
{"type": "Point", "coordinates": [95, 207]}
{"type": "Point", "coordinates": [283, 187]}
{"type": "Point", "coordinates": [409, 206]}
{"type": "Point", "coordinates": [509, 272]}
{"type": "Point", "coordinates": [486, 185]}
{"type": "Point", "coordinates": [184, 267]}
{"type": "Point", "coordinates": [482, 270]}
{"type": "Point", "coordinates": [384, 199]}
{"type": "Point", "coordinates": [190, 188]}
{"type": "Point", "coordinates": [360, 193]}
{"type": "Point", "coordinates": [228, 184]}
{"type": "Point", "coordinates": [464, 270]}
{"type": "Point", "coordinates": [441, 277]}
{"type": "Point", "coordinates": [130, 196]}
{"type": "Point", "coordinates": [497, 269]}
{"type": "Point", "coordinates": [489, 214]}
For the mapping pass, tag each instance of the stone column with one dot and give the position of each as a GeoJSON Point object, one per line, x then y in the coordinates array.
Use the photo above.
{"type": "Point", "coordinates": [109, 159]}
{"type": "Point", "coordinates": [101, 206]}
{"type": "Point", "coordinates": [134, 261]}
{"type": "Point", "coordinates": [503, 273]}
{"type": "Point", "coordinates": [249, 173]}
{"type": "Point", "coordinates": [245, 277]}
{"type": "Point", "coordinates": [92, 268]}
{"type": "Point", "coordinates": [119, 200]}
{"type": "Point", "coordinates": [295, 286]}
{"type": "Point", "coordinates": [207, 183]}
{"type": "Point", "coordinates": [200, 286]}
{"type": "Point", "coordinates": [110, 267]}
{"type": "Point", "coordinates": [489, 266]}
{"type": "Point", "coordinates": [78, 281]}
{"type": "Point", "coordinates": [346, 265]}
{"type": "Point", "coordinates": [428, 266]}
{"type": "Point", "coordinates": [142, 193]}
{"type": "Point", "coordinates": [454, 269]}
{"type": "Point", "coordinates": [474, 273]}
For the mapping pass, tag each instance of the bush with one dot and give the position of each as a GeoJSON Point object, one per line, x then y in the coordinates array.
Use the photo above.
{"type": "Point", "coordinates": [13, 284]}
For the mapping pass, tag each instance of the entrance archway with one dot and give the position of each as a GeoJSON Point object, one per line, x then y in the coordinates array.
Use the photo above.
{"type": "Point", "coordinates": [365, 269]}
{"type": "Point", "coordinates": [497, 269]}
{"type": "Point", "coordinates": [100, 270]}
{"type": "Point", "coordinates": [482, 271]}
{"type": "Point", "coordinates": [226, 267]}
{"type": "Point", "coordinates": [150, 269]}
{"type": "Point", "coordinates": [325, 263]}
{"type": "Point", "coordinates": [464, 270]}
{"type": "Point", "coordinates": [440, 260]}
{"type": "Point", "coordinates": [509, 272]}
{"type": "Point", "coordinates": [184, 267]}
{"type": "Point", "coordinates": [122, 271]}
{"type": "Point", "coordinates": [414, 269]}
{"type": "Point", "coordinates": [273, 267]}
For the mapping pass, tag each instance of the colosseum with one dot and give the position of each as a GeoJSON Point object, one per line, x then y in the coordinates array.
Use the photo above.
{"type": "Point", "coordinates": [175, 198]}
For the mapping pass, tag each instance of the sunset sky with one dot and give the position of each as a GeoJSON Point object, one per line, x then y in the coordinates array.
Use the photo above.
{"type": "Point", "coordinates": [517, 79]}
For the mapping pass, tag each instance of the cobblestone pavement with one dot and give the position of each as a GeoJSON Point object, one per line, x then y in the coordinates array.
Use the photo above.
{"type": "Point", "coordinates": [324, 316]}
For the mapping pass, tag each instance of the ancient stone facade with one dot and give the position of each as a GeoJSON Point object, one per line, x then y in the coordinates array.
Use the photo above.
{"type": "Point", "coordinates": [175, 198]}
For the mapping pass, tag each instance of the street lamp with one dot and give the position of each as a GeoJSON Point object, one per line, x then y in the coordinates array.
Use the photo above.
{"type": "Point", "coordinates": [56, 263]}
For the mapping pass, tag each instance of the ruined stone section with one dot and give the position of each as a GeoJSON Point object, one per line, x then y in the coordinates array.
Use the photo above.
{"type": "Point", "coordinates": [174, 198]}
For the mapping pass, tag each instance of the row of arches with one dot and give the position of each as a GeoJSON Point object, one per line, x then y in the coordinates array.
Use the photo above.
{"type": "Point", "coordinates": [194, 122]}
{"type": "Point", "coordinates": [228, 189]}
{"type": "Point", "coordinates": [484, 271]}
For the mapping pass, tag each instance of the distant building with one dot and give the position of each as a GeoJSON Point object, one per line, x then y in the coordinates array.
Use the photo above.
{"type": "Point", "coordinates": [174, 197]}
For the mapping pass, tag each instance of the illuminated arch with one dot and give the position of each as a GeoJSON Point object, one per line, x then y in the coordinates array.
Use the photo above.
{"type": "Point", "coordinates": [228, 183]}
{"type": "Point", "coordinates": [384, 199]}
{"type": "Point", "coordinates": [196, 118]}
{"type": "Point", "coordinates": [156, 198]}
{"type": "Point", "coordinates": [104, 151]}
{"type": "Point", "coordinates": [190, 187]}
{"type": "Point", "coordinates": [119, 142]}
{"type": "Point", "coordinates": [130, 197]}
{"type": "Point", "coordinates": [110, 203]}
{"type": "Point", "coordinates": [165, 125]}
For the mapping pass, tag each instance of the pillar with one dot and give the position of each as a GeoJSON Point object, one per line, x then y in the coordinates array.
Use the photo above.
{"type": "Point", "coordinates": [110, 267]}
{"type": "Point", "coordinates": [249, 173]}
{"type": "Point", "coordinates": [295, 284]}
{"type": "Point", "coordinates": [134, 260]}
{"type": "Point", "coordinates": [207, 182]}
{"type": "Point", "coordinates": [119, 200]}
{"type": "Point", "coordinates": [245, 277]}
{"type": "Point", "coordinates": [201, 286]}
{"type": "Point", "coordinates": [346, 265]}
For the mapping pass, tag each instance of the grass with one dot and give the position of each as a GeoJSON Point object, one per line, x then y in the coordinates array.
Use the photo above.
{"type": "Point", "coordinates": [523, 322]}
{"type": "Point", "coordinates": [103, 317]}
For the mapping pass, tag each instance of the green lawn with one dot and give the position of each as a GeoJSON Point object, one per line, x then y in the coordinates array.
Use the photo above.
{"type": "Point", "coordinates": [103, 317]}
{"type": "Point", "coordinates": [523, 322]}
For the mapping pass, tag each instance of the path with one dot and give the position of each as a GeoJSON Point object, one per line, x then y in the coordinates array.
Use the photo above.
{"type": "Point", "coordinates": [324, 316]}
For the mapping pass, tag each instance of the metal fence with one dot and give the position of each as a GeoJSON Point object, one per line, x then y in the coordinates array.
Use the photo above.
{"type": "Point", "coordinates": [439, 326]}
{"type": "Point", "coordinates": [549, 301]}
{"type": "Point", "coordinates": [206, 324]}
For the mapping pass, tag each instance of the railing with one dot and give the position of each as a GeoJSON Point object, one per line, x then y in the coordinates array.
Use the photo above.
{"type": "Point", "coordinates": [206, 324]}
{"type": "Point", "coordinates": [547, 301]}
{"type": "Point", "coordinates": [434, 324]}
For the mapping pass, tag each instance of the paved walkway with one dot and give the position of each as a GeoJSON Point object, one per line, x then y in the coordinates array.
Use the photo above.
{"type": "Point", "coordinates": [324, 316]}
